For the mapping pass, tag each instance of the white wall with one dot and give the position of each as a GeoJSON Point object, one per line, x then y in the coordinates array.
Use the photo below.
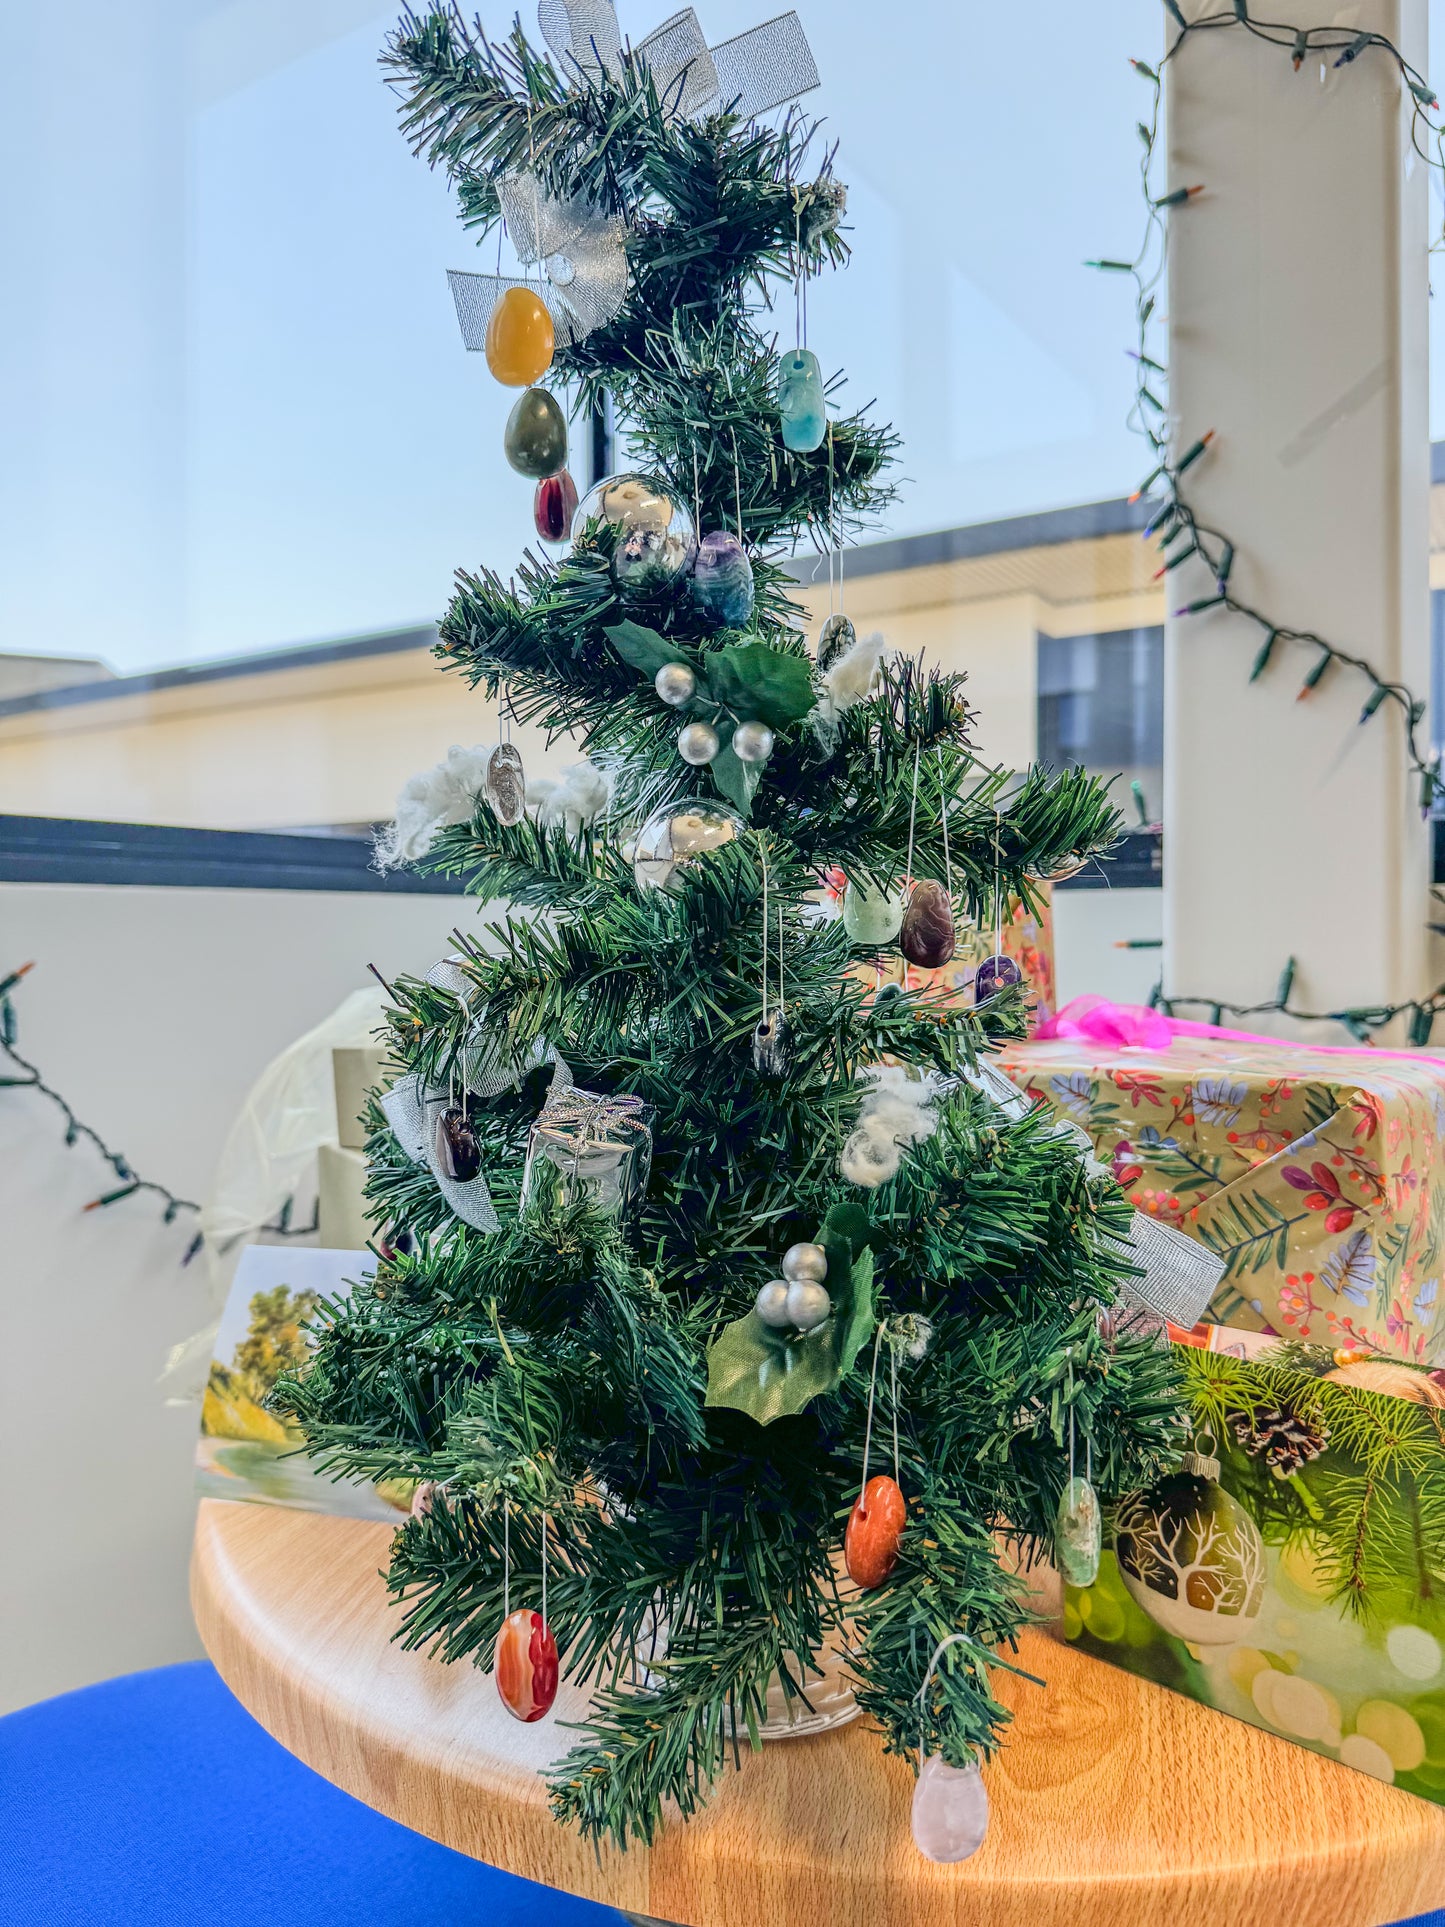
{"type": "Point", "coordinates": [153, 1011]}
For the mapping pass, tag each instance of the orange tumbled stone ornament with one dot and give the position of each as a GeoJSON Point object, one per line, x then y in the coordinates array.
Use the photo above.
{"type": "Point", "coordinates": [526, 1665]}
{"type": "Point", "coordinates": [875, 1527]}
{"type": "Point", "coordinates": [520, 338]}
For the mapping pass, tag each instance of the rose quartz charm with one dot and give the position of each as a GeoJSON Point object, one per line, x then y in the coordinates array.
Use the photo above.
{"type": "Point", "coordinates": [950, 1811]}
{"type": "Point", "coordinates": [526, 1665]}
{"type": "Point", "coordinates": [424, 1497]}
{"type": "Point", "coordinates": [875, 1527]}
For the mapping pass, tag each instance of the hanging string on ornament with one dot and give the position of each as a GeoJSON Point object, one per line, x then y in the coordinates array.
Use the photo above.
{"type": "Point", "coordinates": [525, 1660]}
{"type": "Point", "coordinates": [770, 1038]}
{"type": "Point", "coordinates": [837, 635]}
{"type": "Point", "coordinates": [1079, 1526]}
{"type": "Point", "coordinates": [950, 1803]}
{"type": "Point", "coordinates": [926, 937]}
{"type": "Point", "coordinates": [880, 1512]}
{"type": "Point", "coordinates": [997, 972]}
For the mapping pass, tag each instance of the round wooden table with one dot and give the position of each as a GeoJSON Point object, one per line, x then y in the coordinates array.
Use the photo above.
{"type": "Point", "coordinates": [1115, 1803]}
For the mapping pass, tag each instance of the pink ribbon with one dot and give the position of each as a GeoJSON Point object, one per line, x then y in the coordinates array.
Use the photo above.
{"type": "Point", "coordinates": [1136, 1027]}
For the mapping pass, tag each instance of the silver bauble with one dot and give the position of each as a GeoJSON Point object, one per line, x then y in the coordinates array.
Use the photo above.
{"type": "Point", "coordinates": [808, 1305]}
{"type": "Point", "coordinates": [675, 683]}
{"type": "Point", "coordinates": [752, 742]}
{"type": "Point", "coordinates": [679, 835]}
{"type": "Point", "coordinates": [698, 743]}
{"type": "Point", "coordinates": [771, 1304]}
{"type": "Point", "coordinates": [805, 1263]}
{"type": "Point", "coordinates": [656, 538]}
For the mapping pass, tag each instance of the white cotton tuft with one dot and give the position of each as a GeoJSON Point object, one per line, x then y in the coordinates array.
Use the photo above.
{"type": "Point", "coordinates": [917, 1334]}
{"type": "Point", "coordinates": [579, 794]}
{"type": "Point", "coordinates": [855, 674]}
{"type": "Point", "coordinates": [852, 678]}
{"type": "Point", "coordinates": [444, 794]}
{"type": "Point", "coordinates": [897, 1112]}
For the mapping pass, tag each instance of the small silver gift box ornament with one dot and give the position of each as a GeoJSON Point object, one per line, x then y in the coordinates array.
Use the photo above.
{"type": "Point", "coordinates": [589, 1149]}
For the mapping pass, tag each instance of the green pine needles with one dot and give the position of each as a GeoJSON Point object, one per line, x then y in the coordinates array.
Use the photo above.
{"type": "Point", "coordinates": [559, 1368]}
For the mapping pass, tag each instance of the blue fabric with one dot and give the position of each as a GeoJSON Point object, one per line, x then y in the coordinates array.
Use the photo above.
{"type": "Point", "coordinates": [157, 1801]}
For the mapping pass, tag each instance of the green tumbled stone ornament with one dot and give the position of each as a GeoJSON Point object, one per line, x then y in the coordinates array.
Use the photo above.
{"type": "Point", "coordinates": [871, 916]}
{"type": "Point", "coordinates": [1079, 1533]}
{"type": "Point", "coordinates": [536, 439]}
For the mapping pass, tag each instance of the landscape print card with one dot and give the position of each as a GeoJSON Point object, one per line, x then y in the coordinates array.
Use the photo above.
{"type": "Point", "coordinates": [244, 1451]}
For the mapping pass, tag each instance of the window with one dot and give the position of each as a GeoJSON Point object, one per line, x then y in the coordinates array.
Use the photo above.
{"type": "Point", "coordinates": [1101, 706]}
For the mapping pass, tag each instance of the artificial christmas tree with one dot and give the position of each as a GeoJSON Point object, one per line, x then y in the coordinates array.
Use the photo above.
{"type": "Point", "coordinates": [680, 1219]}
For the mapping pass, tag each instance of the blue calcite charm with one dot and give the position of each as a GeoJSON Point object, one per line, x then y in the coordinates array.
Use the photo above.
{"type": "Point", "coordinates": [722, 580]}
{"type": "Point", "coordinates": [801, 402]}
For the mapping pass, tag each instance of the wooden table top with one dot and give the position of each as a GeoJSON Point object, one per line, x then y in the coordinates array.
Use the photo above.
{"type": "Point", "coordinates": [1114, 1804]}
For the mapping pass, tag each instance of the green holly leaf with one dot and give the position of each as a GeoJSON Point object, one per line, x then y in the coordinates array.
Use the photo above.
{"type": "Point", "coordinates": [647, 652]}
{"type": "Point", "coordinates": [736, 780]}
{"type": "Point", "coordinates": [767, 1373]}
{"type": "Point", "coordinates": [758, 681]}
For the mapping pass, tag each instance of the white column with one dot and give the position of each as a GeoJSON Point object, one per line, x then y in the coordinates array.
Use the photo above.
{"type": "Point", "coordinates": [1297, 300]}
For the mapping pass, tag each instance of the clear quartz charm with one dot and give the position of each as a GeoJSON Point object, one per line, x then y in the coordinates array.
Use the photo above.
{"type": "Point", "coordinates": [1079, 1533]}
{"type": "Point", "coordinates": [950, 1811]}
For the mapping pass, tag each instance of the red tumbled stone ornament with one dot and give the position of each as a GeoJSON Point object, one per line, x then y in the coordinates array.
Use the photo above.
{"type": "Point", "coordinates": [555, 505]}
{"type": "Point", "coordinates": [526, 1665]}
{"type": "Point", "coordinates": [875, 1527]}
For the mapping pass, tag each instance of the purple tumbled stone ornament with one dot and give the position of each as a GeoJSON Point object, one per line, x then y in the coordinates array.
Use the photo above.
{"type": "Point", "coordinates": [926, 937]}
{"type": "Point", "coordinates": [722, 580]}
{"type": "Point", "coordinates": [995, 973]}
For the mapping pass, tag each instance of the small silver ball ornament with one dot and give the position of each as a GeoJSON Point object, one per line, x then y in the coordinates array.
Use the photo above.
{"type": "Point", "coordinates": [808, 1305]}
{"type": "Point", "coordinates": [675, 683]}
{"type": "Point", "coordinates": [752, 742]}
{"type": "Point", "coordinates": [772, 1304]}
{"type": "Point", "coordinates": [805, 1264]}
{"type": "Point", "coordinates": [698, 743]}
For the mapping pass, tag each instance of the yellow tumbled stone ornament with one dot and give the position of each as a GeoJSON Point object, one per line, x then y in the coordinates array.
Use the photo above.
{"type": "Point", "coordinates": [520, 338]}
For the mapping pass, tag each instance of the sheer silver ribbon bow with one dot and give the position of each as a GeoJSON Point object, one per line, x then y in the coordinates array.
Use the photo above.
{"type": "Point", "coordinates": [1180, 1274]}
{"type": "Point", "coordinates": [413, 1107]}
{"type": "Point", "coordinates": [582, 251]}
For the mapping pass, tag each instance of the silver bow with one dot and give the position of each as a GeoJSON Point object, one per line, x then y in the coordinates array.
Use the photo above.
{"type": "Point", "coordinates": [748, 75]}
{"type": "Point", "coordinates": [582, 251]}
{"type": "Point", "coordinates": [583, 254]}
{"type": "Point", "coordinates": [412, 1106]}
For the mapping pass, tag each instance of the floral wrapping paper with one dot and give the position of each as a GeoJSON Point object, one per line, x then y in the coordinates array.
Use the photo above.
{"type": "Point", "coordinates": [1316, 1176]}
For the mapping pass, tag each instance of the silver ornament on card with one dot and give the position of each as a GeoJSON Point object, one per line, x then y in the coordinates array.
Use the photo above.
{"type": "Point", "coordinates": [771, 1304]}
{"type": "Point", "coordinates": [589, 1148]}
{"type": "Point", "coordinates": [808, 1305]}
{"type": "Point", "coordinates": [835, 638]}
{"type": "Point", "coordinates": [772, 1050]}
{"type": "Point", "coordinates": [678, 835]}
{"type": "Point", "coordinates": [698, 743]}
{"type": "Point", "coordinates": [676, 684]}
{"type": "Point", "coordinates": [752, 742]}
{"type": "Point", "coordinates": [805, 1263]}
{"type": "Point", "coordinates": [505, 784]}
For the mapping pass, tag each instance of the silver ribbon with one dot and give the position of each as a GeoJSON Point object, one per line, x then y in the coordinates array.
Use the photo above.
{"type": "Point", "coordinates": [583, 252]}
{"type": "Point", "coordinates": [749, 75]}
{"type": "Point", "coordinates": [1180, 1275]}
{"type": "Point", "coordinates": [412, 1106]}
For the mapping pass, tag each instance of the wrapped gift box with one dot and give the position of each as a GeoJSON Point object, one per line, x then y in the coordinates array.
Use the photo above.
{"type": "Point", "coordinates": [1302, 1586]}
{"type": "Point", "coordinates": [1316, 1175]}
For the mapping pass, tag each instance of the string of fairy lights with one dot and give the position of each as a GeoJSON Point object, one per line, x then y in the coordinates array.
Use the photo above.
{"type": "Point", "coordinates": [1175, 524]}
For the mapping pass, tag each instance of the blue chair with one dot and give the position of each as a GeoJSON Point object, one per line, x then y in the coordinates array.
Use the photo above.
{"type": "Point", "coordinates": [157, 1801]}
